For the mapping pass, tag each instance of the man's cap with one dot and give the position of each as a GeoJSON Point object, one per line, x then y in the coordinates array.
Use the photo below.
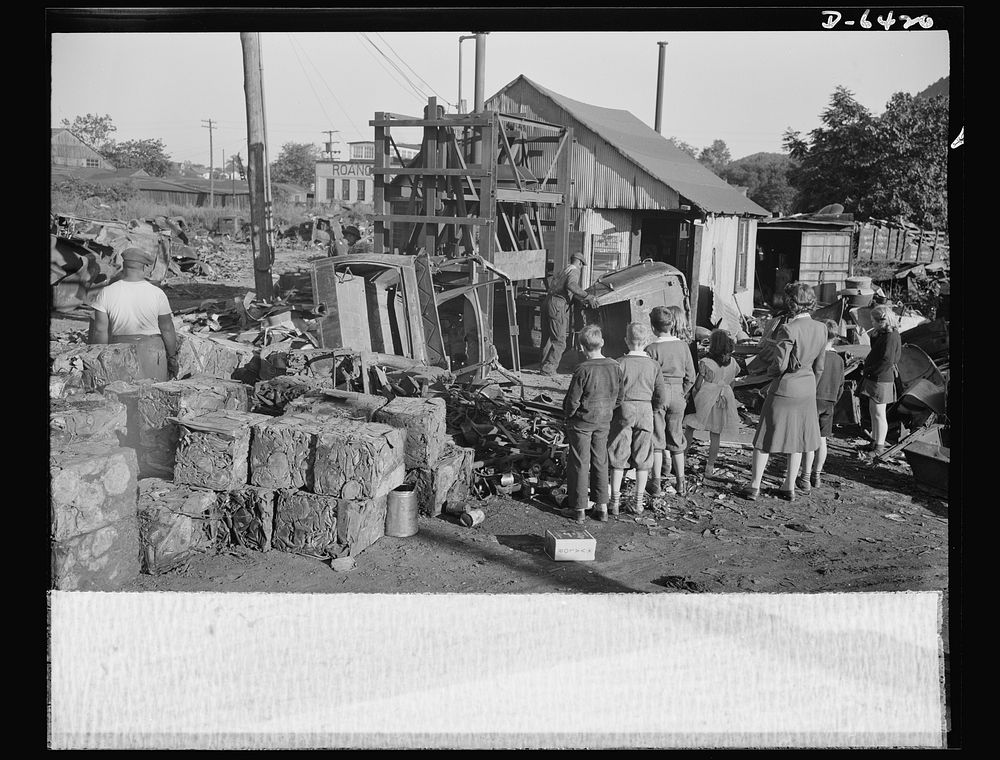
{"type": "Point", "coordinates": [137, 254]}
{"type": "Point", "coordinates": [352, 230]}
{"type": "Point", "coordinates": [578, 256]}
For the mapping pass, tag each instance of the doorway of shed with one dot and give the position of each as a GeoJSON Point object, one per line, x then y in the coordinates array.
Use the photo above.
{"type": "Point", "coordinates": [778, 253]}
{"type": "Point", "coordinates": [668, 239]}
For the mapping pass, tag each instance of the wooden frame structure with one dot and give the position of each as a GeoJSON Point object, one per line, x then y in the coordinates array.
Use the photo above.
{"type": "Point", "coordinates": [475, 220]}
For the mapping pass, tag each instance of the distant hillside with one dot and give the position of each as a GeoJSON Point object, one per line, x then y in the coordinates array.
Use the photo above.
{"type": "Point", "coordinates": [940, 87]}
{"type": "Point", "coordinates": [763, 157]}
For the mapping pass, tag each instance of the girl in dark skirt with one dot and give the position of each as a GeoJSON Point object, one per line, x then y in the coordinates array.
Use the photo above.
{"type": "Point", "coordinates": [879, 375]}
{"type": "Point", "coordinates": [788, 422]}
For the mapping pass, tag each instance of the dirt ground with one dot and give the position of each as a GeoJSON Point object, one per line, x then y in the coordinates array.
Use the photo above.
{"type": "Point", "coordinates": [867, 529]}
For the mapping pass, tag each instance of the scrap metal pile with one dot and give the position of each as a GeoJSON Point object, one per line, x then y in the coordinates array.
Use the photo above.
{"type": "Point", "coordinates": [520, 445]}
{"type": "Point", "coordinates": [86, 253]}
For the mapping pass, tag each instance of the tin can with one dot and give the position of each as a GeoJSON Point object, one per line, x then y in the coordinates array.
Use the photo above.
{"type": "Point", "coordinates": [472, 518]}
{"type": "Point", "coordinates": [401, 512]}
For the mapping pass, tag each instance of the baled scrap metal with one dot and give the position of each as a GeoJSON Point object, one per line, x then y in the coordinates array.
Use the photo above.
{"type": "Point", "coordinates": [358, 460]}
{"type": "Point", "coordinates": [213, 449]}
{"type": "Point", "coordinates": [87, 417]}
{"type": "Point", "coordinates": [282, 452]}
{"type": "Point", "coordinates": [92, 484]}
{"type": "Point", "coordinates": [445, 486]}
{"type": "Point", "coordinates": [175, 522]}
{"type": "Point", "coordinates": [216, 357]}
{"type": "Point", "coordinates": [247, 515]}
{"type": "Point", "coordinates": [423, 419]}
{"type": "Point", "coordinates": [360, 522]}
{"type": "Point", "coordinates": [98, 365]}
{"type": "Point", "coordinates": [159, 402]}
{"type": "Point", "coordinates": [273, 396]}
{"type": "Point", "coordinates": [305, 523]}
{"type": "Point", "coordinates": [104, 559]}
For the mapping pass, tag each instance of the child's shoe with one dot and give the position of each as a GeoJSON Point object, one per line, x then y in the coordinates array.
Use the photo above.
{"type": "Point", "coordinates": [614, 504]}
{"type": "Point", "coordinates": [577, 515]}
{"type": "Point", "coordinates": [816, 479]}
{"type": "Point", "coordinates": [637, 508]}
{"type": "Point", "coordinates": [803, 484]}
{"type": "Point", "coordinates": [600, 512]}
{"type": "Point", "coordinates": [709, 470]}
{"type": "Point", "coordinates": [654, 487]}
{"type": "Point", "coordinates": [682, 488]}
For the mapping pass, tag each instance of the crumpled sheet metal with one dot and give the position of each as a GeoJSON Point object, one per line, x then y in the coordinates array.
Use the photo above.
{"type": "Point", "coordinates": [247, 518]}
{"type": "Point", "coordinates": [92, 484]}
{"type": "Point", "coordinates": [87, 417]}
{"type": "Point", "coordinates": [213, 449]}
{"type": "Point", "coordinates": [105, 559]}
{"type": "Point", "coordinates": [175, 522]}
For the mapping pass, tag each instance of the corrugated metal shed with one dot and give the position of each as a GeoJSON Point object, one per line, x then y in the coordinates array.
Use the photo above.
{"type": "Point", "coordinates": [616, 181]}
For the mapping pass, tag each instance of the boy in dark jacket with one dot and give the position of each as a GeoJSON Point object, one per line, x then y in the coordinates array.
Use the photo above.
{"type": "Point", "coordinates": [595, 391]}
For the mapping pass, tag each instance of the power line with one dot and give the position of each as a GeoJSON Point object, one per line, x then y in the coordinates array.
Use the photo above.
{"type": "Point", "coordinates": [396, 67]}
{"type": "Point", "coordinates": [388, 71]}
{"type": "Point", "coordinates": [411, 69]}
{"type": "Point", "coordinates": [330, 90]}
{"type": "Point", "coordinates": [308, 80]}
{"type": "Point", "coordinates": [413, 88]}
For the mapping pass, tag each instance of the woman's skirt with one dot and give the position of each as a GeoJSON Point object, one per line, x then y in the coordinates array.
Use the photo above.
{"type": "Point", "coordinates": [787, 425]}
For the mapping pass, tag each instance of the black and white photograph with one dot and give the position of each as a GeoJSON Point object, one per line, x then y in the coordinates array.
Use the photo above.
{"type": "Point", "coordinates": [511, 378]}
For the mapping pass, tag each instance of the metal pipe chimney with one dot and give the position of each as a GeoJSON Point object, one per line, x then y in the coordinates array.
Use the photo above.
{"type": "Point", "coordinates": [461, 100]}
{"type": "Point", "coordinates": [480, 69]}
{"type": "Point", "coordinates": [659, 86]}
{"type": "Point", "coordinates": [477, 148]}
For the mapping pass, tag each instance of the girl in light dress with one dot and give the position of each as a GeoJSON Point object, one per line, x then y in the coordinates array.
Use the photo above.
{"type": "Point", "coordinates": [714, 402]}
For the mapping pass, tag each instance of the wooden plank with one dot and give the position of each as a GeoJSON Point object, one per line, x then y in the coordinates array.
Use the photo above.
{"type": "Point", "coordinates": [455, 120]}
{"type": "Point", "coordinates": [430, 189]}
{"type": "Point", "coordinates": [529, 196]}
{"type": "Point", "coordinates": [471, 220]}
{"type": "Point", "coordinates": [525, 264]}
{"type": "Point", "coordinates": [564, 180]}
{"type": "Point", "coordinates": [428, 171]}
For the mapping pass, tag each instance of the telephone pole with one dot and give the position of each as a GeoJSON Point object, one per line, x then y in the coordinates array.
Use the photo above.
{"type": "Point", "coordinates": [329, 141]}
{"type": "Point", "coordinates": [211, 158]}
{"type": "Point", "coordinates": [260, 189]}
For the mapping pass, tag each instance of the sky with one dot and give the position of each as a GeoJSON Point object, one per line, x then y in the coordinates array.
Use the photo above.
{"type": "Point", "coordinates": [745, 88]}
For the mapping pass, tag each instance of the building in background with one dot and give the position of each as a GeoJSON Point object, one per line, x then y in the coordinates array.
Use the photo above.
{"type": "Point", "coordinates": [352, 180]}
{"type": "Point", "coordinates": [636, 196]}
{"type": "Point", "coordinates": [70, 150]}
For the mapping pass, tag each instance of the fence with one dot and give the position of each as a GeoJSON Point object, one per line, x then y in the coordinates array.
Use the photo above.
{"type": "Point", "coordinates": [881, 242]}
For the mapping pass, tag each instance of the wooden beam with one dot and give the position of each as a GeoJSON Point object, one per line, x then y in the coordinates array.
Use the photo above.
{"type": "Point", "coordinates": [529, 196]}
{"type": "Point", "coordinates": [427, 170]}
{"type": "Point", "coordinates": [455, 120]}
{"type": "Point", "coordinates": [378, 242]}
{"type": "Point", "coordinates": [474, 221]}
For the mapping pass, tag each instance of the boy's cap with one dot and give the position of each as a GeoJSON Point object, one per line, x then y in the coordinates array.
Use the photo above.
{"type": "Point", "coordinates": [136, 254]}
{"type": "Point", "coordinates": [352, 230]}
{"type": "Point", "coordinates": [578, 256]}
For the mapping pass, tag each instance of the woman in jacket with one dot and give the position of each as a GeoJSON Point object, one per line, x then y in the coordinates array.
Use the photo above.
{"type": "Point", "coordinates": [879, 373]}
{"type": "Point", "coordinates": [788, 422]}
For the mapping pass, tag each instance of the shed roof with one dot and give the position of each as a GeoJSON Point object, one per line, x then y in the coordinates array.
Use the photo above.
{"type": "Point", "coordinates": [655, 154]}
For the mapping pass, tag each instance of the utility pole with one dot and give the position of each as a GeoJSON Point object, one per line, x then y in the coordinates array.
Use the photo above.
{"type": "Point", "coordinates": [329, 141]}
{"type": "Point", "coordinates": [260, 245]}
{"type": "Point", "coordinates": [223, 171]}
{"type": "Point", "coordinates": [211, 165]}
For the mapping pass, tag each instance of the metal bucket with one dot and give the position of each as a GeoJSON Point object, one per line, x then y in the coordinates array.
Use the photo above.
{"type": "Point", "coordinates": [826, 292]}
{"type": "Point", "coordinates": [401, 513]}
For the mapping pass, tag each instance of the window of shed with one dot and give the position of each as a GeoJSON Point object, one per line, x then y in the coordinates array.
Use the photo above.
{"type": "Point", "coordinates": [92, 163]}
{"type": "Point", "coordinates": [742, 251]}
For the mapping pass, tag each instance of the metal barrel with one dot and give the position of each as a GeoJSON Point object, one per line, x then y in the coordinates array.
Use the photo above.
{"type": "Point", "coordinates": [401, 512]}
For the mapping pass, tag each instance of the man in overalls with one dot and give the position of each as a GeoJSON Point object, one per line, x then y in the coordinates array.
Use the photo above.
{"type": "Point", "coordinates": [134, 310]}
{"type": "Point", "coordinates": [556, 312]}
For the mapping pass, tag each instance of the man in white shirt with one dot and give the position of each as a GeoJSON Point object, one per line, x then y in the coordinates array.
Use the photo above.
{"type": "Point", "coordinates": [134, 310]}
